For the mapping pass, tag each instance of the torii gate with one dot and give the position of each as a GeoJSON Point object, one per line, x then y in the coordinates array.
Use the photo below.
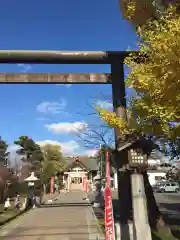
{"type": "Point", "coordinates": [114, 58]}
{"type": "Point", "coordinates": [116, 77]}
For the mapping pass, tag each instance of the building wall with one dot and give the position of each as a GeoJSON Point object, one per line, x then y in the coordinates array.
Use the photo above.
{"type": "Point", "coordinates": [154, 177]}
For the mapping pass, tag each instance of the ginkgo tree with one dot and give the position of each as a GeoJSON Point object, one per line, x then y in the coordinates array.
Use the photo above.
{"type": "Point", "coordinates": [155, 110]}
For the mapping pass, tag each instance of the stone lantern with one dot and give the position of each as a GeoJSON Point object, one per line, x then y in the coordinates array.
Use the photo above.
{"type": "Point", "coordinates": [98, 193]}
{"type": "Point", "coordinates": [31, 181]}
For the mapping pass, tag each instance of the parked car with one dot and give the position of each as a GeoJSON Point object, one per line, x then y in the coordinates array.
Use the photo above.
{"type": "Point", "coordinates": [163, 187]}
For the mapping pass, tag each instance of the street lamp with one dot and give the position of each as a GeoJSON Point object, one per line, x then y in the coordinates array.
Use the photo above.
{"type": "Point", "coordinates": [137, 159]}
{"type": "Point", "coordinates": [31, 179]}
{"type": "Point", "coordinates": [97, 178]}
{"type": "Point", "coordinates": [31, 182]}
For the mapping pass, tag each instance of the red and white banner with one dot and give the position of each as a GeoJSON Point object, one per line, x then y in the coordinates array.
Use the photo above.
{"type": "Point", "coordinates": [52, 185]}
{"type": "Point", "coordinates": [84, 182]}
{"type": "Point", "coordinates": [109, 218]}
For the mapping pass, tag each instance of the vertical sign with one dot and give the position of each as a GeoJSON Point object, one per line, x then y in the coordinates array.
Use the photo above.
{"type": "Point", "coordinates": [69, 183]}
{"type": "Point", "coordinates": [85, 186]}
{"type": "Point", "coordinates": [109, 218]}
{"type": "Point", "coordinates": [83, 182]}
{"type": "Point", "coordinates": [52, 185]}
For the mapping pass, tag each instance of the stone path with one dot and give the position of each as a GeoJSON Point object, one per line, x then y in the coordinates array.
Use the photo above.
{"type": "Point", "coordinates": [47, 197]}
{"type": "Point", "coordinates": [68, 218]}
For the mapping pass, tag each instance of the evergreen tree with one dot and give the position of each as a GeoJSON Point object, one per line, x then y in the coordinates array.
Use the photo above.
{"type": "Point", "coordinates": [31, 152]}
{"type": "Point", "coordinates": [3, 152]}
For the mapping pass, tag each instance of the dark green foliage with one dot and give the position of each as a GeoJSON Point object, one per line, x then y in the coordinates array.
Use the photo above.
{"type": "Point", "coordinates": [17, 187]}
{"type": "Point", "coordinates": [23, 189]}
{"type": "Point", "coordinates": [31, 151]}
{"type": "Point", "coordinates": [3, 152]}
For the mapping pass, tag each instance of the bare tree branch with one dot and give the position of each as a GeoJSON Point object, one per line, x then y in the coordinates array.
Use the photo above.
{"type": "Point", "coordinates": [96, 134]}
{"type": "Point", "coordinates": [92, 138]}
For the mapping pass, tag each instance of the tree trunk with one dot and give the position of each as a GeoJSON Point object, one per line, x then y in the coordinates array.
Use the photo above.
{"type": "Point", "coordinates": [154, 214]}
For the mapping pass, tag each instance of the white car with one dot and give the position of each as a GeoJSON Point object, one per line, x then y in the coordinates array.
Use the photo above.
{"type": "Point", "coordinates": [166, 187]}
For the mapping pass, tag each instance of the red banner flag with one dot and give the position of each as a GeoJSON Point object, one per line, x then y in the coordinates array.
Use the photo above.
{"type": "Point", "coordinates": [52, 185]}
{"type": "Point", "coordinates": [109, 218]}
{"type": "Point", "coordinates": [85, 186]}
{"type": "Point", "coordinates": [83, 182]}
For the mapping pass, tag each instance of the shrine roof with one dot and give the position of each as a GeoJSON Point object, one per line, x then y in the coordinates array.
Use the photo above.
{"type": "Point", "coordinates": [89, 163]}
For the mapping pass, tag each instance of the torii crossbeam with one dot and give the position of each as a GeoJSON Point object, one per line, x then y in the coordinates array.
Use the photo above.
{"type": "Point", "coordinates": [59, 57]}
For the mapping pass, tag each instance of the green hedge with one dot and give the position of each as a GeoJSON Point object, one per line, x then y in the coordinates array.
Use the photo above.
{"type": "Point", "coordinates": [20, 188]}
{"type": "Point", "coordinates": [23, 189]}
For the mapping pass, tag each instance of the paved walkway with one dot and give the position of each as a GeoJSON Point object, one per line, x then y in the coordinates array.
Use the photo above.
{"type": "Point", "coordinates": [68, 218]}
{"type": "Point", "coordinates": [47, 197]}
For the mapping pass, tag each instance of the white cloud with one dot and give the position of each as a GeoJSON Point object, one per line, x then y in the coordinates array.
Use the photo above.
{"type": "Point", "coordinates": [90, 152]}
{"type": "Point", "coordinates": [67, 128]}
{"type": "Point", "coordinates": [70, 148]}
{"type": "Point", "coordinates": [24, 67]}
{"type": "Point", "coordinates": [104, 104]}
{"type": "Point", "coordinates": [64, 85]}
{"type": "Point", "coordinates": [52, 107]}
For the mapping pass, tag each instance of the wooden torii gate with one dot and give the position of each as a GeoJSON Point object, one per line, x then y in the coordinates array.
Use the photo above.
{"type": "Point", "coordinates": [116, 77]}
{"type": "Point", "coordinates": [114, 58]}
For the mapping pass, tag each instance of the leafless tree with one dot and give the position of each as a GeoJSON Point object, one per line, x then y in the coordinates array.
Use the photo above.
{"type": "Point", "coordinates": [96, 135]}
{"type": "Point", "coordinates": [97, 132]}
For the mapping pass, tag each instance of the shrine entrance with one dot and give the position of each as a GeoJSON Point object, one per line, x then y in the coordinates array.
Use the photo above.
{"type": "Point", "coordinates": [76, 180]}
{"type": "Point", "coordinates": [74, 175]}
{"type": "Point", "coordinates": [76, 183]}
{"type": "Point", "coordinates": [116, 77]}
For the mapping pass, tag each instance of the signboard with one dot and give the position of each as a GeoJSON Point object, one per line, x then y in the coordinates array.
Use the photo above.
{"type": "Point", "coordinates": [74, 175]}
{"type": "Point", "coordinates": [83, 180]}
{"type": "Point", "coordinates": [85, 185]}
{"type": "Point", "coordinates": [109, 218]}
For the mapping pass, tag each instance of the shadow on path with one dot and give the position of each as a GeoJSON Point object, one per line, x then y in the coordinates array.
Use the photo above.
{"type": "Point", "coordinates": [48, 235]}
{"type": "Point", "coordinates": [65, 204]}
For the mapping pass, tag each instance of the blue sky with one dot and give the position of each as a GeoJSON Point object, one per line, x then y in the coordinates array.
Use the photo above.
{"type": "Point", "coordinates": [39, 110]}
